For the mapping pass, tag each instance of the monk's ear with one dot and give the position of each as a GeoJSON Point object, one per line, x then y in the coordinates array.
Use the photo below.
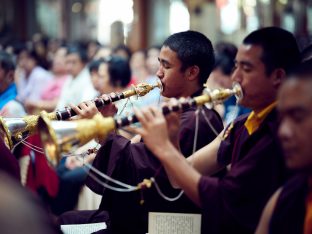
{"type": "Point", "coordinates": [279, 76]}
{"type": "Point", "coordinates": [192, 72]}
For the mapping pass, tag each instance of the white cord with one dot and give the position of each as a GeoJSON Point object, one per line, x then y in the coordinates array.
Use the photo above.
{"type": "Point", "coordinates": [33, 147]}
{"type": "Point", "coordinates": [196, 130]}
{"type": "Point", "coordinates": [209, 123]}
{"type": "Point", "coordinates": [171, 199]}
{"type": "Point", "coordinates": [131, 189]}
{"type": "Point", "coordinates": [124, 106]}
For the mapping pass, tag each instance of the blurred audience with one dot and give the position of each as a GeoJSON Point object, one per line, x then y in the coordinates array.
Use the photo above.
{"type": "Point", "coordinates": [9, 106]}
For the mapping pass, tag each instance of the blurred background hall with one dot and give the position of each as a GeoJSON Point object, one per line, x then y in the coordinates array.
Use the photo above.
{"type": "Point", "coordinates": [142, 23]}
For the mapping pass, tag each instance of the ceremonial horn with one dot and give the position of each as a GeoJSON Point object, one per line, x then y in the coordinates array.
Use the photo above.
{"type": "Point", "coordinates": [13, 130]}
{"type": "Point", "coordinates": [61, 137]}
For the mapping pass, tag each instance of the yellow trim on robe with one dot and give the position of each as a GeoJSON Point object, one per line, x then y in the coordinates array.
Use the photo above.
{"type": "Point", "coordinates": [254, 120]}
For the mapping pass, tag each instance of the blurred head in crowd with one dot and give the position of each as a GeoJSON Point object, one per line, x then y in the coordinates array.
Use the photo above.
{"type": "Point", "coordinates": [122, 51]}
{"type": "Point", "coordinates": [92, 48]}
{"type": "Point", "coordinates": [138, 65]}
{"type": "Point", "coordinates": [94, 73]}
{"type": "Point", "coordinates": [59, 61]}
{"type": "Point", "coordinates": [114, 73]}
{"type": "Point", "coordinates": [29, 59]}
{"type": "Point", "coordinates": [152, 63]}
{"type": "Point", "coordinates": [225, 55]}
{"type": "Point", "coordinates": [138, 60]}
{"type": "Point", "coordinates": [103, 52]}
{"type": "Point", "coordinates": [40, 46]}
{"type": "Point", "coordinates": [76, 60]}
{"type": "Point", "coordinates": [7, 68]}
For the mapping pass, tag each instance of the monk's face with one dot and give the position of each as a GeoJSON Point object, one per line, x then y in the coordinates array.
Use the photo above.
{"type": "Point", "coordinates": [295, 131]}
{"type": "Point", "coordinates": [258, 87]}
{"type": "Point", "coordinates": [173, 79]}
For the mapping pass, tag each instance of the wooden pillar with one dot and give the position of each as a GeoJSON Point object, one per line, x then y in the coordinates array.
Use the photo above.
{"type": "Point", "coordinates": [137, 38]}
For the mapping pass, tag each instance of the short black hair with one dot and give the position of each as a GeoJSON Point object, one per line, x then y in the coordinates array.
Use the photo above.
{"type": "Point", "coordinates": [119, 71]}
{"type": "Point", "coordinates": [280, 48]}
{"type": "Point", "coordinates": [193, 48]}
{"type": "Point", "coordinates": [6, 62]}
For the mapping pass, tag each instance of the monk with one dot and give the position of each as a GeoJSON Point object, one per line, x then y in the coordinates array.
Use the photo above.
{"type": "Point", "coordinates": [290, 208]}
{"type": "Point", "coordinates": [249, 146]}
{"type": "Point", "coordinates": [186, 60]}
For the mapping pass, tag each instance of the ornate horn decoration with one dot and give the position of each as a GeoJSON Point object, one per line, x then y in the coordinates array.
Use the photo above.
{"type": "Point", "coordinates": [138, 90]}
{"type": "Point", "coordinates": [61, 137]}
{"type": "Point", "coordinates": [13, 130]}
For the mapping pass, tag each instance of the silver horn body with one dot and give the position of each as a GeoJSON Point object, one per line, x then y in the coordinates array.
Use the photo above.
{"type": "Point", "coordinates": [64, 136]}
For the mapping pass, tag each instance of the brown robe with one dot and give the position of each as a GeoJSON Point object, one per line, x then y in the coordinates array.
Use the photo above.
{"type": "Point", "coordinates": [289, 213]}
{"type": "Point", "coordinates": [131, 163]}
{"type": "Point", "coordinates": [233, 204]}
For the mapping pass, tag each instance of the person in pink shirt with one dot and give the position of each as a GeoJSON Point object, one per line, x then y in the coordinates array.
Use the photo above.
{"type": "Point", "coordinates": [50, 94]}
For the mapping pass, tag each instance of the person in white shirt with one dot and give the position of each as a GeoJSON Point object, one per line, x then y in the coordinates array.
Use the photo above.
{"type": "Point", "coordinates": [78, 88]}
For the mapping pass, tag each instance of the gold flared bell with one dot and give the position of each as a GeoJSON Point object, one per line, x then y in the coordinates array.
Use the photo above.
{"type": "Point", "coordinates": [64, 136]}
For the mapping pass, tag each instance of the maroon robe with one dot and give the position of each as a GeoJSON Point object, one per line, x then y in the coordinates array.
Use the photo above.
{"type": "Point", "coordinates": [289, 213]}
{"type": "Point", "coordinates": [8, 162]}
{"type": "Point", "coordinates": [234, 203]}
{"type": "Point", "coordinates": [131, 163]}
